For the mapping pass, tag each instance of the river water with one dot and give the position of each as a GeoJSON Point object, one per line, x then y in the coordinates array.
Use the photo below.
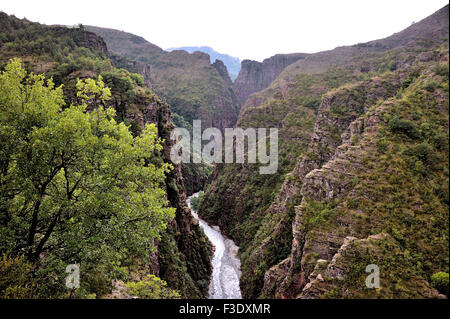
{"type": "Point", "coordinates": [226, 265]}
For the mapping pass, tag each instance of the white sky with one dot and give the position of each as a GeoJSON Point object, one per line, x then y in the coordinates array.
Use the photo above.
{"type": "Point", "coordinates": [247, 29]}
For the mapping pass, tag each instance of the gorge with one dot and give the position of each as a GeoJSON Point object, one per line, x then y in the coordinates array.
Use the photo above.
{"type": "Point", "coordinates": [361, 177]}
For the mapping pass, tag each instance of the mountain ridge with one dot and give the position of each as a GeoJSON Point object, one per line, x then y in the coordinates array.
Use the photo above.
{"type": "Point", "coordinates": [192, 86]}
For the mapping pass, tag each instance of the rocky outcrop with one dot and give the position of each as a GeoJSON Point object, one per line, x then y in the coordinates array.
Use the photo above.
{"type": "Point", "coordinates": [330, 172]}
{"type": "Point", "coordinates": [255, 76]}
{"type": "Point", "coordinates": [189, 237]}
{"type": "Point", "coordinates": [143, 69]}
{"type": "Point", "coordinates": [226, 114]}
{"type": "Point", "coordinates": [335, 274]}
{"type": "Point", "coordinates": [93, 41]}
{"type": "Point", "coordinates": [249, 79]}
{"type": "Point", "coordinates": [195, 177]}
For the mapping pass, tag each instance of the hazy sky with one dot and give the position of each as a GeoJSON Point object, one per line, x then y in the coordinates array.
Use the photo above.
{"type": "Point", "coordinates": [247, 29]}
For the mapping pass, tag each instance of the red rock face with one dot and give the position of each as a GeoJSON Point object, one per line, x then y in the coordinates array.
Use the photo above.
{"type": "Point", "coordinates": [256, 76]}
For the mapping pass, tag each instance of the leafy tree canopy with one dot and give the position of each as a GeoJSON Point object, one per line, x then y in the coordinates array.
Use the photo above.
{"type": "Point", "coordinates": [75, 186]}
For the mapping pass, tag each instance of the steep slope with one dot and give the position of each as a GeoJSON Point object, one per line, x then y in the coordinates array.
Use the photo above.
{"type": "Point", "coordinates": [352, 142]}
{"type": "Point", "coordinates": [194, 88]}
{"type": "Point", "coordinates": [256, 76]}
{"type": "Point", "coordinates": [182, 258]}
{"type": "Point", "coordinates": [233, 64]}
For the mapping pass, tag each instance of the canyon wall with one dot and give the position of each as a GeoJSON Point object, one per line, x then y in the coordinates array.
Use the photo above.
{"type": "Point", "coordinates": [359, 181]}
{"type": "Point", "coordinates": [255, 76]}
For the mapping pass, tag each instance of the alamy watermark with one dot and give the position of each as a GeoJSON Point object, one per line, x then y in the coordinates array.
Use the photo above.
{"type": "Point", "coordinates": [262, 146]}
{"type": "Point", "coordinates": [373, 280]}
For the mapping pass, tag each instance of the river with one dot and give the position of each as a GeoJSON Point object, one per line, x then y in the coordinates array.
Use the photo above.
{"type": "Point", "coordinates": [226, 265]}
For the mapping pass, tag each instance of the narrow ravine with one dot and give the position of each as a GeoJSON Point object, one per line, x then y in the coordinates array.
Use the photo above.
{"type": "Point", "coordinates": [226, 265]}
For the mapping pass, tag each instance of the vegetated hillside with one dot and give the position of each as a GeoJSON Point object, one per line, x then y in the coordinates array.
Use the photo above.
{"type": "Point", "coordinates": [182, 254]}
{"type": "Point", "coordinates": [232, 63]}
{"type": "Point", "coordinates": [362, 178]}
{"type": "Point", "coordinates": [194, 88]}
{"type": "Point", "coordinates": [256, 76]}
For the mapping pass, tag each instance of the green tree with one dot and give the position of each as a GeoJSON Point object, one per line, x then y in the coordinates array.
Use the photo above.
{"type": "Point", "coordinates": [151, 287]}
{"type": "Point", "coordinates": [75, 186]}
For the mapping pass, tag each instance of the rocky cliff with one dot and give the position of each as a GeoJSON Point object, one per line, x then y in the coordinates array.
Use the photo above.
{"type": "Point", "coordinates": [132, 46]}
{"type": "Point", "coordinates": [233, 64]}
{"type": "Point", "coordinates": [255, 76]}
{"type": "Point", "coordinates": [183, 255]}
